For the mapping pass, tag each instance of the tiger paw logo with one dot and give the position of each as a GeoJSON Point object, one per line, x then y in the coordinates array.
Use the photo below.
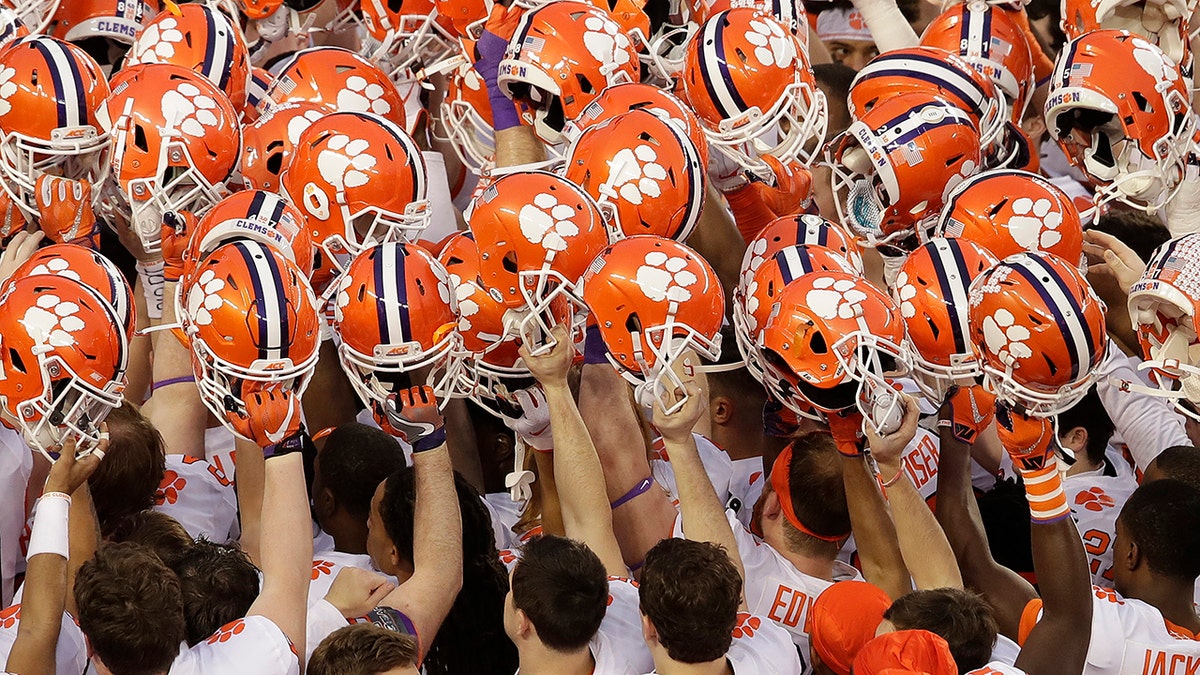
{"type": "Point", "coordinates": [635, 174]}
{"type": "Point", "coordinates": [345, 162]}
{"type": "Point", "coordinates": [548, 223]}
{"type": "Point", "coordinates": [228, 632]}
{"type": "Point", "coordinates": [755, 257]}
{"type": "Point", "coordinates": [10, 617]}
{"type": "Point", "coordinates": [835, 298]}
{"type": "Point", "coordinates": [747, 626]}
{"type": "Point", "coordinates": [7, 88]}
{"type": "Point", "coordinates": [969, 168]}
{"type": "Point", "coordinates": [665, 277]}
{"type": "Point", "coordinates": [321, 567]}
{"type": "Point", "coordinates": [168, 491]}
{"type": "Point", "coordinates": [52, 321]}
{"type": "Point", "coordinates": [55, 267]}
{"type": "Point", "coordinates": [464, 296]}
{"type": "Point", "coordinates": [1094, 499]}
{"type": "Point", "coordinates": [905, 292]}
{"type": "Point", "coordinates": [1155, 62]}
{"type": "Point", "coordinates": [1005, 337]}
{"type": "Point", "coordinates": [1034, 225]}
{"type": "Point", "coordinates": [189, 109]}
{"type": "Point", "coordinates": [772, 46]}
{"type": "Point", "coordinates": [299, 123]}
{"type": "Point", "coordinates": [157, 44]}
{"type": "Point", "coordinates": [358, 95]}
{"type": "Point", "coordinates": [204, 297]}
{"type": "Point", "coordinates": [605, 41]}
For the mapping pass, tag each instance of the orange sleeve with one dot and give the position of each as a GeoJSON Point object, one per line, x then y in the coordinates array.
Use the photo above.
{"type": "Point", "coordinates": [1029, 619]}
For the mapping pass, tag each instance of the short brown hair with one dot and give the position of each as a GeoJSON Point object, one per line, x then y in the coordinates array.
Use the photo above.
{"type": "Point", "coordinates": [131, 609]}
{"type": "Point", "coordinates": [562, 587]}
{"type": "Point", "coordinates": [128, 478]}
{"type": "Point", "coordinates": [690, 591]}
{"type": "Point", "coordinates": [162, 534]}
{"type": "Point", "coordinates": [960, 617]}
{"type": "Point", "coordinates": [362, 649]}
{"type": "Point", "coordinates": [818, 494]}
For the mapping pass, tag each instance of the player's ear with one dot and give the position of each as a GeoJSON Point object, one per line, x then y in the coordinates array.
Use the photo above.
{"type": "Point", "coordinates": [649, 632]}
{"type": "Point", "coordinates": [324, 503]}
{"type": "Point", "coordinates": [722, 409]}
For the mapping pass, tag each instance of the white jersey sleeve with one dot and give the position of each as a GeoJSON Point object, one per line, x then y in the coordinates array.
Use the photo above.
{"type": "Point", "coordinates": [996, 668]}
{"type": "Point", "coordinates": [1146, 423]}
{"type": "Point", "coordinates": [199, 496]}
{"type": "Point", "coordinates": [16, 465]}
{"type": "Point", "coordinates": [618, 646]}
{"type": "Point", "coordinates": [321, 620]}
{"type": "Point", "coordinates": [716, 463]}
{"type": "Point", "coordinates": [70, 654]}
{"type": "Point", "coordinates": [760, 647]}
{"type": "Point", "coordinates": [745, 487]}
{"type": "Point", "coordinates": [250, 645]}
{"type": "Point", "coordinates": [326, 567]}
{"type": "Point", "coordinates": [1095, 502]}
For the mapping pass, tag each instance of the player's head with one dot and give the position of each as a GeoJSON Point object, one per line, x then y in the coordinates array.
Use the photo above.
{"type": "Point", "coordinates": [130, 609]}
{"type": "Point", "coordinates": [1158, 537]}
{"type": "Point", "coordinates": [962, 618]}
{"type": "Point", "coordinates": [803, 505]}
{"type": "Point", "coordinates": [349, 467]}
{"type": "Point", "coordinates": [1085, 428]}
{"type": "Point", "coordinates": [1178, 462]}
{"type": "Point", "coordinates": [559, 595]}
{"type": "Point", "coordinates": [128, 478]}
{"type": "Point", "coordinates": [690, 592]}
{"type": "Point", "coordinates": [219, 583]}
{"type": "Point", "coordinates": [364, 649]}
{"type": "Point", "coordinates": [157, 531]}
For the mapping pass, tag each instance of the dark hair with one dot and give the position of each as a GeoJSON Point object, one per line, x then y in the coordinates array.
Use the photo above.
{"type": "Point", "coordinates": [472, 638]}
{"type": "Point", "coordinates": [1090, 414]}
{"type": "Point", "coordinates": [128, 478]}
{"type": "Point", "coordinates": [1163, 518]}
{"type": "Point", "coordinates": [836, 76]}
{"type": "Point", "coordinates": [690, 591]}
{"type": "Point", "coordinates": [818, 493]}
{"type": "Point", "coordinates": [961, 617]}
{"type": "Point", "coordinates": [362, 649]}
{"type": "Point", "coordinates": [1004, 511]}
{"type": "Point", "coordinates": [218, 583]}
{"type": "Point", "coordinates": [1181, 463]}
{"type": "Point", "coordinates": [354, 461]}
{"type": "Point", "coordinates": [131, 609]}
{"type": "Point", "coordinates": [1136, 229]}
{"type": "Point", "coordinates": [157, 531]}
{"type": "Point", "coordinates": [562, 587]}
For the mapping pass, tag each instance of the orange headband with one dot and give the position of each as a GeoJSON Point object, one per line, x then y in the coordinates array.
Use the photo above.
{"type": "Point", "coordinates": [781, 482]}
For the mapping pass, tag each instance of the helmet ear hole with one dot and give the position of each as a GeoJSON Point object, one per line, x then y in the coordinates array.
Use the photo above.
{"type": "Point", "coordinates": [14, 357]}
{"type": "Point", "coordinates": [633, 323]}
{"type": "Point", "coordinates": [139, 138]}
{"type": "Point", "coordinates": [817, 343]}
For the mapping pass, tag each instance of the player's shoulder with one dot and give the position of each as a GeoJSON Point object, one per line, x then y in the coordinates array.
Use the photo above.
{"type": "Point", "coordinates": [762, 646]}
{"type": "Point", "coordinates": [250, 644]}
{"type": "Point", "coordinates": [997, 668]}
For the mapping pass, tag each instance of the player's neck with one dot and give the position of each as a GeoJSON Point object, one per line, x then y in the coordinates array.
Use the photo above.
{"type": "Point", "coordinates": [1174, 600]}
{"type": "Point", "coordinates": [668, 667]}
{"type": "Point", "coordinates": [537, 659]}
{"type": "Point", "coordinates": [815, 566]}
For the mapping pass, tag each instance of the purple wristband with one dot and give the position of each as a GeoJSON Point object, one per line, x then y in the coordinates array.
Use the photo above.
{"type": "Point", "coordinates": [172, 380]}
{"type": "Point", "coordinates": [639, 489]}
{"type": "Point", "coordinates": [491, 48]}
{"type": "Point", "coordinates": [594, 349]}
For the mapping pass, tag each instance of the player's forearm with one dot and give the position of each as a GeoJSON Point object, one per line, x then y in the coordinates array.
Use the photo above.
{"type": "Point", "coordinates": [874, 533]}
{"type": "Point", "coordinates": [250, 468]}
{"type": "Point", "coordinates": [703, 514]}
{"type": "Point", "coordinates": [1056, 644]}
{"type": "Point", "coordinates": [956, 510]}
{"type": "Point", "coordinates": [286, 545]}
{"type": "Point", "coordinates": [927, 553]}
{"type": "Point", "coordinates": [552, 520]}
{"type": "Point", "coordinates": [84, 533]}
{"type": "Point", "coordinates": [178, 413]}
{"type": "Point", "coordinates": [614, 427]}
{"type": "Point", "coordinates": [717, 239]}
{"type": "Point", "coordinates": [437, 538]}
{"type": "Point", "coordinates": [517, 146]}
{"type": "Point", "coordinates": [33, 652]}
{"type": "Point", "coordinates": [577, 471]}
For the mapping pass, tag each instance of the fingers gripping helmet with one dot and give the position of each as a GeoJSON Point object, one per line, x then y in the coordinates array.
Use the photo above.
{"type": "Point", "coordinates": [1008, 212]}
{"type": "Point", "coordinates": [536, 234]}
{"type": "Point", "coordinates": [932, 291]}
{"type": "Point", "coordinates": [1038, 328]}
{"type": "Point", "coordinates": [62, 361]}
{"type": "Point", "coordinates": [560, 57]}
{"type": "Point", "coordinates": [395, 313]}
{"type": "Point", "coordinates": [175, 143]}
{"type": "Point", "coordinates": [1121, 111]}
{"type": "Point", "coordinates": [252, 322]}
{"type": "Point", "coordinates": [644, 173]}
{"type": "Point", "coordinates": [252, 215]}
{"type": "Point", "coordinates": [360, 180]}
{"type": "Point", "coordinates": [654, 299]}
{"type": "Point", "coordinates": [92, 270]}
{"type": "Point", "coordinates": [753, 89]}
{"type": "Point", "coordinates": [1163, 307]}
{"type": "Point", "coordinates": [897, 163]}
{"type": "Point", "coordinates": [48, 103]}
{"type": "Point", "coordinates": [340, 79]}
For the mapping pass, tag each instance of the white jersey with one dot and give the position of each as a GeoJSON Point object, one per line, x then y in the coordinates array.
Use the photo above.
{"type": "Point", "coordinates": [996, 668]}
{"type": "Point", "coordinates": [16, 465]}
{"type": "Point", "coordinates": [1129, 637]}
{"type": "Point", "coordinates": [745, 487]}
{"type": "Point", "coordinates": [200, 496]}
{"type": "Point", "coordinates": [219, 450]}
{"type": "Point", "coordinates": [70, 654]}
{"type": "Point", "coordinates": [250, 645]}
{"type": "Point", "coordinates": [1095, 502]}
{"type": "Point", "coordinates": [328, 564]}
{"type": "Point", "coordinates": [760, 647]}
{"type": "Point", "coordinates": [618, 647]}
{"type": "Point", "coordinates": [716, 463]}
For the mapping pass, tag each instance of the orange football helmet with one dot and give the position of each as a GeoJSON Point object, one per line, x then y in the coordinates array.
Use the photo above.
{"type": "Point", "coordinates": [932, 291]}
{"type": "Point", "coordinates": [200, 38]}
{"type": "Point", "coordinates": [12, 27]}
{"type": "Point", "coordinates": [1121, 111]}
{"type": "Point", "coordinates": [360, 180]}
{"type": "Point", "coordinates": [48, 119]}
{"type": "Point", "coordinates": [464, 19]}
{"type": "Point", "coordinates": [897, 163]}
{"type": "Point", "coordinates": [795, 230]}
{"type": "Point", "coordinates": [990, 39]}
{"type": "Point", "coordinates": [560, 57]}
{"type": "Point", "coordinates": [622, 98]}
{"type": "Point", "coordinates": [254, 215]}
{"type": "Point", "coordinates": [1038, 330]}
{"type": "Point", "coordinates": [644, 173]}
{"type": "Point", "coordinates": [654, 299]}
{"type": "Point", "coordinates": [536, 234]}
{"type": "Point", "coordinates": [411, 34]}
{"type": "Point", "coordinates": [1163, 307]}
{"type": "Point", "coordinates": [91, 269]}
{"type": "Point", "coordinates": [827, 333]}
{"type": "Point", "coordinates": [259, 9]}
{"type": "Point", "coordinates": [253, 324]}
{"type": "Point", "coordinates": [1165, 24]}
{"type": "Point", "coordinates": [62, 361]}
{"type": "Point", "coordinates": [1008, 212]}
{"type": "Point", "coordinates": [175, 144]}
{"type": "Point", "coordinates": [268, 143]}
{"type": "Point", "coordinates": [119, 21]}
{"type": "Point", "coordinates": [340, 79]}
{"type": "Point", "coordinates": [396, 313]}
{"type": "Point", "coordinates": [751, 84]}
{"type": "Point", "coordinates": [467, 119]}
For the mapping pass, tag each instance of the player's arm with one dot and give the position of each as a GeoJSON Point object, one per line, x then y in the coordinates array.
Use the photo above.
{"type": "Point", "coordinates": [583, 500]}
{"type": "Point", "coordinates": [286, 547]}
{"type": "Point", "coordinates": [427, 596]}
{"type": "Point", "coordinates": [874, 533]}
{"type": "Point", "coordinates": [887, 24]}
